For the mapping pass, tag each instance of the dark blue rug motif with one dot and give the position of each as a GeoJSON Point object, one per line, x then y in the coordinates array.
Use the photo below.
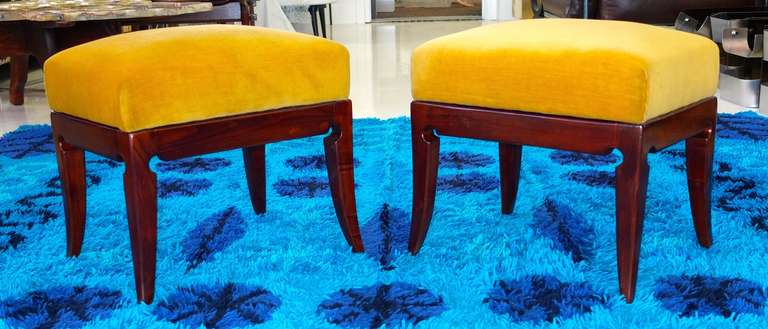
{"type": "Point", "coordinates": [213, 235]}
{"type": "Point", "coordinates": [698, 295]}
{"type": "Point", "coordinates": [36, 208]}
{"type": "Point", "coordinates": [467, 183]}
{"type": "Point", "coordinates": [27, 141]}
{"type": "Point", "coordinates": [303, 187]}
{"type": "Point", "coordinates": [732, 191]}
{"type": "Point", "coordinates": [583, 159]}
{"type": "Point", "coordinates": [743, 126]}
{"type": "Point", "coordinates": [540, 298]}
{"type": "Point", "coordinates": [316, 162]}
{"type": "Point", "coordinates": [101, 162]}
{"type": "Point", "coordinates": [90, 180]}
{"type": "Point", "coordinates": [674, 152]}
{"type": "Point", "coordinates": [386, 235]}
{"type": "Point", "coordinates": [759, 219]}
{"type": "Point", "coordinates": [381, 304]}
{"type": "Point", "coordinates": [172, 187]}
{"type": "Point", "coordinates": [10, 239]}
{"type": "Point", "coordinates": [60, 307]}
{"type": "Point", "coordinates": [465, 160]}
{"type": "Point", "coordinates": [220, 306]}
{"type": "Point", "coordinates": [593, 178]}
{"type": "Point", "coordinates": [568, 231]}
{"type": "Point", "coordinates": [193, 165]}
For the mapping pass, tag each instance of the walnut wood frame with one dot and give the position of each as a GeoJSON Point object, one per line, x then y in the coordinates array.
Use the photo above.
{"type": "Point", "coordinates": [695, 124]}
{"type": "Point", "coordinates": [250, 132]}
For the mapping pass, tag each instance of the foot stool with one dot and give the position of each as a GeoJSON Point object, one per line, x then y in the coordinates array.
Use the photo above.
{"type": "Point", "coordinates": [178, 92]}
{"type": "Point", "coordinates": [577, 85]}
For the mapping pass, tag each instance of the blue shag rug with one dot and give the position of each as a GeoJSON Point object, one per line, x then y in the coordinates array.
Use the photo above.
{"type": "Point", "coordinates": [552, 264]}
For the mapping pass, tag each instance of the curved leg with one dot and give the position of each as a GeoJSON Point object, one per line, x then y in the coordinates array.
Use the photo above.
{"type": "Point", "coordinates": [426, 158]}
{"type": "Point", "coordinates": [699, 151]}
{"type": "Point", "coordinates": [19, 70]}
{"type": "Point", "coordinates": [509, 165]}
{"type": "Point", "coordinates": [71, 161]}
{"type": "Point", "coordinates": [255, 172]}
{"type": "Point", "coordinates": [141, 203]}
{"type": "Point", "coordinates": [341, 176]}
{"type": "Point", "coordinates": [631, 186]}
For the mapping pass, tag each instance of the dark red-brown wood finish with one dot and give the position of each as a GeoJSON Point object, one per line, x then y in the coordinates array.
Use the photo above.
{"type": "Point", "coordinates": [695, 124]}
{"type": "Point", "coordinates": [250, 132]}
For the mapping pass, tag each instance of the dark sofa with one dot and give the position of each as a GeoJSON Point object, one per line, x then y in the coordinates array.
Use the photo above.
{"type": "Point", "coordinates": [661, 12]}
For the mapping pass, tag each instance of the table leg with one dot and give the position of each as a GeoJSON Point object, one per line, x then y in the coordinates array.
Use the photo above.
{"type": "Point", "coordinates": [321, 11]}
{"type": "Point", "coordinates": [19, 68]}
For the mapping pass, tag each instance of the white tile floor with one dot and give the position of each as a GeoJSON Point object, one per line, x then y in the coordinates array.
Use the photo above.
{"type": "Point", "coordinates": [380, 56]}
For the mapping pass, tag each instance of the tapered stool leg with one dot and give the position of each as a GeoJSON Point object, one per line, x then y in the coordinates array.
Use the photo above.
{"type": "Point", "coordinates": [255, 171]}
{"type": "Point", "coordinates": [73, 188]}
{"type": "Point", "coordinates": [699, 151]}
{"type": "Point", "coordinates": [141, 202]}
{"type": "Point", "coordinates": [341, 177]}
{"type": "Point", "coordinates": [631, 187]}
{"type": "Point", "coordinates": [509, 166]}
{"type": "Point", "coordinates": [426, 158]}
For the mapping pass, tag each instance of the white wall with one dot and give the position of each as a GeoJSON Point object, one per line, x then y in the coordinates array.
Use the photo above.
{"type": "Point", "coordinates": [500, 9]}
{"type": "Point", "coordinates": [351, 11]}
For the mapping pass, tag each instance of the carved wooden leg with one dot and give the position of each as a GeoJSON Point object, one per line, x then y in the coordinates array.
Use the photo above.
{"type": "Point", "coordinates": [341, 177]}
{"type": "Point", "coordinates": [699, 151]}
{"type": "Point", "coordinates": [19, 70]}
{"type": "Point", "coordinates": [509, 165]}
{"type": "Point", "coordinates": [426, 158]}
{"type": "Point", "coordinates": [255, 172]}
{"type": "Point", "coordinates": [72, 172]}
{"type": "Point", "coordinates": [141, 203]}
{"type": "Point", "coordinates": [631, 186]}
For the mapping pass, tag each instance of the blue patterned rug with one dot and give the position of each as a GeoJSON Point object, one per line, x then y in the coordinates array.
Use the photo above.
{"type": "Point", "coordinates": [551, 264]}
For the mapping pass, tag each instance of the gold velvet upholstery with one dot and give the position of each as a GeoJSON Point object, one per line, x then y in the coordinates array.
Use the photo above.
{"type": "Point", "coordinates": [154, 78]}
{"type": "Point", "coordinates": [607, 70]}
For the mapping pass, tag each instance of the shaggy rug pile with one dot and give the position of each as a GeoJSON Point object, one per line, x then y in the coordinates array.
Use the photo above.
{"type": "Point", "coordinates": [552, 264]}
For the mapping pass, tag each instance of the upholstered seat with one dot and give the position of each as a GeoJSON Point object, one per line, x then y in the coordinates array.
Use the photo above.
{"type": "Point", "coordinates": [606, 70]}
{"type": "Point", "coordinates": [154, 78]}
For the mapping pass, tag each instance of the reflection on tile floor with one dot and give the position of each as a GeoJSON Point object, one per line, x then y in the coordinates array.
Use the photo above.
{"type": "Point", "coordinates": [380, 62]}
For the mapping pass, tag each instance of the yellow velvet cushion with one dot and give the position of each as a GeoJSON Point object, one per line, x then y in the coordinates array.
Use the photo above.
{"type": "Point", "coordinates": [160, 77]}
{"type": "Point", "coordinates": [608, 70]}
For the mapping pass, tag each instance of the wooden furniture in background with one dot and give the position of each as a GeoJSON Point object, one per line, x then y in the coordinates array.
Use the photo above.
{"type": "Point", "coordinates": [695, 124]}
{"type": "Point", "coordinates": [41, 29]}
{"type": "Point", "coordinates": [224, 11]}
{"type": "Point", "coordinates": [315, 12]}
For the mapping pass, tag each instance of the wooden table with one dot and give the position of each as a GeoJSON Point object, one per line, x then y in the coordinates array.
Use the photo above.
{"type": "Point", "coordinates": [41, 28]}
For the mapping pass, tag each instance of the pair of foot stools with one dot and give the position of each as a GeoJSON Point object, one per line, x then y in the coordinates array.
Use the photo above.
{"type": "Point", "coordinates": [585, 86]}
